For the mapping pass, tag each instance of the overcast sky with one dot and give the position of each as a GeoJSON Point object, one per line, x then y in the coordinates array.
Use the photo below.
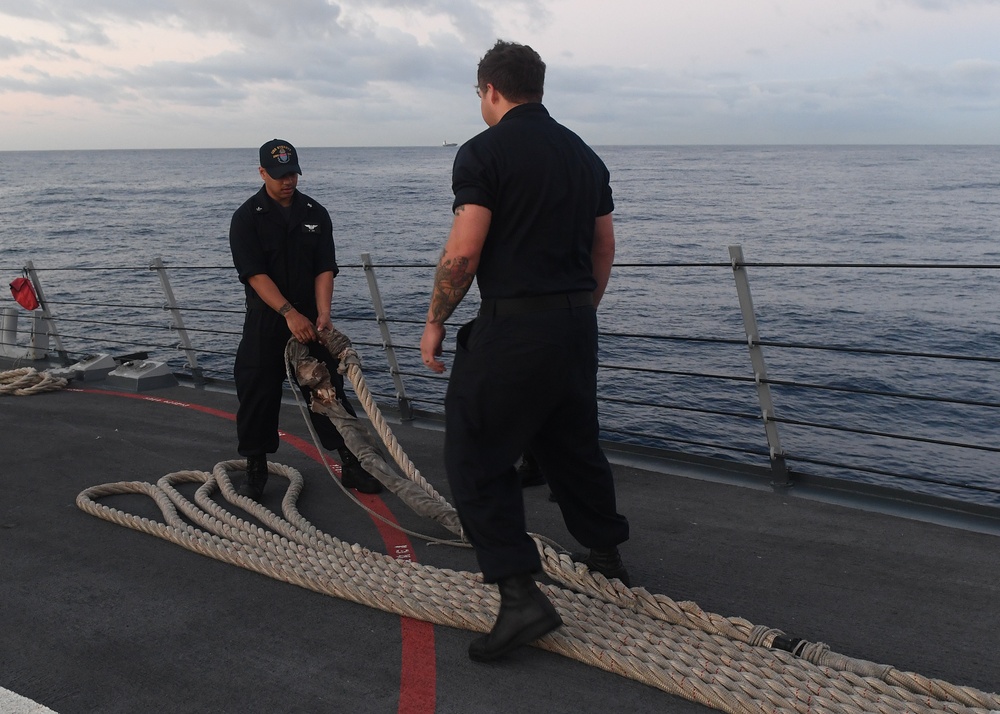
{"type": "Point", "coordinates": [226, 73]}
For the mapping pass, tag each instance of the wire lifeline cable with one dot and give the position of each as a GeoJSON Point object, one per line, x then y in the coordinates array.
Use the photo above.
{"type": "Point", "coordinates": [725, 663]}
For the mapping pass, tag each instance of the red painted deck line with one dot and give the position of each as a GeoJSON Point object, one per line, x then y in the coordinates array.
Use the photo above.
{"type": "Point", "coordinates": [418, 671]}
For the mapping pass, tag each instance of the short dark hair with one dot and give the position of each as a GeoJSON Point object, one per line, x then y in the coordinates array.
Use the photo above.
{"type": "Point", "coordinates": [516, 71]}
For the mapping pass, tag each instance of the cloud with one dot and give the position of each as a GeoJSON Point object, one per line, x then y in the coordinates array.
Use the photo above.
{"type": "Point", "coordinates": [299, 42]}
{"type": "Point", "coordinates": [87, 22]}
{"type": "Point", "coordinates": [11, 48]}
{"type": "Point", "coordinates": [291, 21]}
{"type": "Point", "coordinates": [964, 85]}
{"type": "Point", "coordinates": [888, 103]}
{"type": "Point", "coordinates": [947, 5]}
{"type": "Point", "coordinates": [348, 72]}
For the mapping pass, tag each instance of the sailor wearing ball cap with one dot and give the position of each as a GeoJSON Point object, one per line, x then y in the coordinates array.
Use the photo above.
{"type": "Point", "coordinates": [283, 250]}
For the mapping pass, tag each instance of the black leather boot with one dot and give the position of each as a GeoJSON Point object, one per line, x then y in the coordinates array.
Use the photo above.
{"type": "Point", "coordinates": [353, 474]}
{"type": "Point", "coordinates": [525, 615]}
{"type": "Point", "coordinates": [253, 485]}
{"type": "Point", "coordinates": [607, 562]}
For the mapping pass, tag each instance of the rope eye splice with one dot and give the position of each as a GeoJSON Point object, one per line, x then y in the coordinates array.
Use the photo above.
{"type": "Point", "coordinates": [412, 489]}
{"type": "Point", "coordinates": [312, 373]}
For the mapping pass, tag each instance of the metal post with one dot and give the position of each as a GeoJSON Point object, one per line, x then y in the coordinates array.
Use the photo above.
{"type": "Point", "coordinates": [177, 323]}
{"type": "Point", "coordinates": [778, 467]}
{"type": "Point", "coordinates": [50, 323]}
{"type": "Point", "coordinates": [39, 344]}
{"type": "Point", "coordinates": [8, 331]}
{"type": "Point", "coordinates": [405, 408]}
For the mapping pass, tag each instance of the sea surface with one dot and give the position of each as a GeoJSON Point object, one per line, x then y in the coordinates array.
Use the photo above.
{"type": "Point", "coordinates": [860, 216]}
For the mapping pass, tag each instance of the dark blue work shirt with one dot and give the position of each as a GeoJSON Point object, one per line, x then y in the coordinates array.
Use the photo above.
{"type": "Point", "coordinates": [290, 246]}
{"type": "Point", "coordinates": [545, 187]}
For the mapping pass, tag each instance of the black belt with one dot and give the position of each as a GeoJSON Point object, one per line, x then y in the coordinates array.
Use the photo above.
{"type": "Point", "coordinates": [496, 307]}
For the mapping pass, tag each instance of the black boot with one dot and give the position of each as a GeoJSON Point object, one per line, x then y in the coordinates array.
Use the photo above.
{"type": "Point", "coordinates": [253, 485]}
{"type": "Point", "coordinates": [607, 562]}
{"type": "Point", "coordinates": [353, 474]}
{"type": "Point", "coordinates": [525, 615]}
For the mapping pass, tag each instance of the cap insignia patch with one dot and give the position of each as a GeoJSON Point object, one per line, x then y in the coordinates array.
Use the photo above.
{"type": "Point", "coordinates": [281, 154]}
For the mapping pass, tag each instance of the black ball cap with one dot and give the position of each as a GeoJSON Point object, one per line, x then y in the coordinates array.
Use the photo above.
{"type": "Point", "coordinates": [279, 158]}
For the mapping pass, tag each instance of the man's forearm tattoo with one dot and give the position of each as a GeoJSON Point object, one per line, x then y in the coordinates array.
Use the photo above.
{"type": "Point", "coordinates": [452, 281]}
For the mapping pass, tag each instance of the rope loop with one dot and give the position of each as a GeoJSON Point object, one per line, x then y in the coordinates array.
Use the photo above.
{"type": "Point", "coordinates": [27, 381]}
{"type": "Point", "coordinates": [725, 663]}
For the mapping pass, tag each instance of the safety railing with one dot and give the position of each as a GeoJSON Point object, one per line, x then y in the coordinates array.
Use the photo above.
{"type": "Point", "coordinates": [775, 386]}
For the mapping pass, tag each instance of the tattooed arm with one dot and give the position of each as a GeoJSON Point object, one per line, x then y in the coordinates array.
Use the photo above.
{"type": "Point", "coordinates": [453, 277]}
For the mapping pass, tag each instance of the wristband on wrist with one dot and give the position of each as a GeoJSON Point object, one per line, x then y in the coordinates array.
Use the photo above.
{"type": "Point", "coordinates": [285, 309]}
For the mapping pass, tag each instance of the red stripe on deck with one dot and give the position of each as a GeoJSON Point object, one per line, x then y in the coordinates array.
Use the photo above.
{"type": "Point", "coordinates": [418, 671]}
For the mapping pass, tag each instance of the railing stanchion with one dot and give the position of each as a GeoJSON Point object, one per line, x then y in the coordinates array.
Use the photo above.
{"type": "Point", "coordinates": [177, 322]}
{"type": "Point", "coordinates": [779, 469]}
{"type": "Point", "coordinates": [47, 317]}
{"type": "Point", "coordinates": [405, 408]}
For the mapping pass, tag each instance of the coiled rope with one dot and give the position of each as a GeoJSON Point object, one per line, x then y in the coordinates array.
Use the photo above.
{"type": "Point", "coordinates": [724, 663]}
{"type": "Point", "coordinates": [27, 381]}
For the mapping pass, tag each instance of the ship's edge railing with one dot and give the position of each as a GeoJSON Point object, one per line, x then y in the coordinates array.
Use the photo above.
{"type": "Point", "coordinates": [778, 474]}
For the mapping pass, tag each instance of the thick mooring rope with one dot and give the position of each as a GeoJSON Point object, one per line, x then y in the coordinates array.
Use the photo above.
{"type": "Point", "coordinates": [724, 663]}
{"type": "Point", "coordinates": [415, 491]}
{"type": "Point", "coordinates": [28, 380]}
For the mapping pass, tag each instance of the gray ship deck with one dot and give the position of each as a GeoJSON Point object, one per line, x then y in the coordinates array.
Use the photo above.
{"type": "Point", "coordinates": [99, 618]}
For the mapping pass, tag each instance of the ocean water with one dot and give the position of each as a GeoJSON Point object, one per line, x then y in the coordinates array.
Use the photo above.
{"type": "Point", "coordinates": [92, 221]}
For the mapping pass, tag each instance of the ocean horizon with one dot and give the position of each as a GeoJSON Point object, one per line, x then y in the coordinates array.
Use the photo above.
{"type": "Point", "coordinates": [459, 143]}
{"type": "Point", "coordinates": [677, 207]}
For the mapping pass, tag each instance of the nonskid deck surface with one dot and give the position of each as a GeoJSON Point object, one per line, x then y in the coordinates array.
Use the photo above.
{"type": "Point", "coordinates": [96, 617]}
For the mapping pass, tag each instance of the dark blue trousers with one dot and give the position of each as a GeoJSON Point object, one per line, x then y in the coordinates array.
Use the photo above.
{"type": "Point", "coordinates": [259, 373]}
{"type": "Point", "coordinates": [520, 381]}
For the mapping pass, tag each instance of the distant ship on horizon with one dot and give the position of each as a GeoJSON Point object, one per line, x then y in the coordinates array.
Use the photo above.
{"type": "Point", "coordinates": [448, 143]}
